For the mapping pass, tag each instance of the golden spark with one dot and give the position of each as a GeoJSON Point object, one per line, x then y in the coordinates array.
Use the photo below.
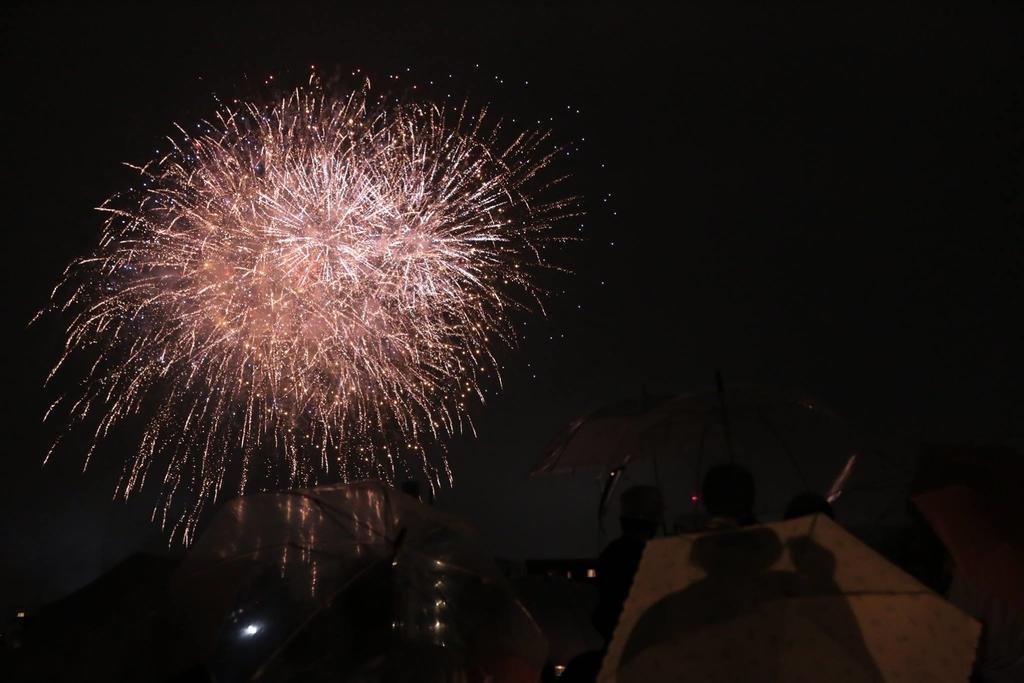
{"type": "Point", "coordinates": [316, 285]}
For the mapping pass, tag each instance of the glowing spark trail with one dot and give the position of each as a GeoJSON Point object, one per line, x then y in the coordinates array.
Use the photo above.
{"type": "Point", "coordinates": [315, 285]}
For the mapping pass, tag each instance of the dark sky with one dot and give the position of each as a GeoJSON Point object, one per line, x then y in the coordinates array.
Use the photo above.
{"type": "Point", "coordinates": [804, 196]}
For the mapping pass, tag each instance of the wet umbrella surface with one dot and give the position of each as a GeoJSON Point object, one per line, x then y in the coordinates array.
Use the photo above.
{"type": "Point", "coordinates": [351, 582]}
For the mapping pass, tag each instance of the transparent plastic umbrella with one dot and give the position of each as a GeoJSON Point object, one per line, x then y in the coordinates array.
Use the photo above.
{"type": "Point", "coordinates": [789, 441]}
{"type": "Point", "coordinates": [353, 582]}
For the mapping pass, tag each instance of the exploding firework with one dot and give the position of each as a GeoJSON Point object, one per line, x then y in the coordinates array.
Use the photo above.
{"type": "Point", "coordinates": [315, 287]}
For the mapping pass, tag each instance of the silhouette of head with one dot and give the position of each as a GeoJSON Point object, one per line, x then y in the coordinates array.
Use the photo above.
{"type": "Point", "coordinates": [728, 491]}
{"type": "Point", "coordinates": [640, 511]}
{"type": "Point", "coordinates": [411, 487]}
{"type": "Point", "coordinates": [808, 503]}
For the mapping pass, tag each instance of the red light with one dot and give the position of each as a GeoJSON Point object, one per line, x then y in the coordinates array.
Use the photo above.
{"type": "Point", "coordinates": [694, 498]}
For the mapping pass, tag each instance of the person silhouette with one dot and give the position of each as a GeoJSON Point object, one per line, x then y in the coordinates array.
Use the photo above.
{"type": "Point", "coordinates": [640, 514]}
{"type": "Point", "coordinates": [728, 492]}
{"type": "Point", "coordinates": [411, 487]}
{"type": "Point", "coordinates": [639, 517]}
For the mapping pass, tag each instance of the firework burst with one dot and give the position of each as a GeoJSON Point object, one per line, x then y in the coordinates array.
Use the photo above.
{"type": "Point", "coordinates": [314, 287]}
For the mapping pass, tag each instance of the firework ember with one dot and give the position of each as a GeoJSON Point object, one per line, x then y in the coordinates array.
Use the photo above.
{"type": "Point", "coordinates": [313, 287]}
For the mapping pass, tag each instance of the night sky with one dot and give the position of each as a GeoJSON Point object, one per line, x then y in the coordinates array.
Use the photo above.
{"type": "Point", "coordinates": [802, 196]}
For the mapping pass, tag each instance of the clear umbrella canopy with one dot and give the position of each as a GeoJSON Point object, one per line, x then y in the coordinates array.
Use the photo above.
{"type": "Point", "coordinates": [351, 582]}
{"type": "Point", "coordinates": [789, 441]}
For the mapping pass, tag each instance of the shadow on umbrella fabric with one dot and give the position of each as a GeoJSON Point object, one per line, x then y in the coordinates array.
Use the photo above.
{"type": "Point", "coordinates": [740, 587]}
{"type": "Point", "coordinates": [797, 600]}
